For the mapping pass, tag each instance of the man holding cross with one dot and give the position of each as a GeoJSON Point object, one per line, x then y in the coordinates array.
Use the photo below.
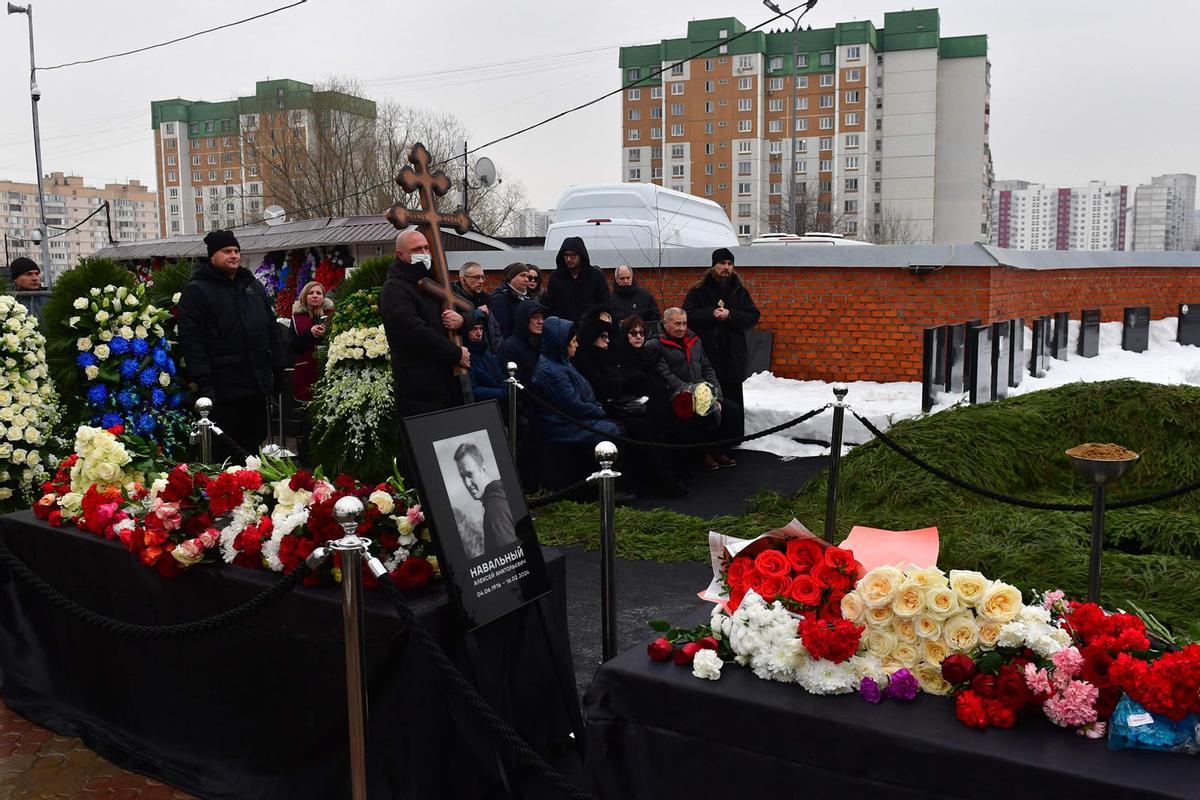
{"type": "Point", "coordinates": [423, 357]}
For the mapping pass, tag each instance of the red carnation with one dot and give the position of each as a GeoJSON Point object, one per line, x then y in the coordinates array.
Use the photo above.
{"type": "Point", "coordinates": [772, 563]}
{"type": "Point", "coordinates": [303, 479]}
{"type": "Point", "coordinates": [804, 554]}
{"type": "Point", "coordinates": [832, 640]}
{"type": "Point", "coordinates": [958, 668]}
{"type": "Point", "coordinates": [660, 649]}
{"type": "Point", "coordinates": [999, 714]}
{"type": "Point", "coordinates": [249, 479]}
{"type": "Point", "coordinates": [805, 591]}
{"type": "Point", "coordinates": [1096, 665]}
{"type": "Point", "coordinates": [685, 654]}
{"type": "Point", "coordinates": [983, 685]}
{"type": "Point", "coordinates": [413, 571]}
{"type": "Point", "coordinates": [970, 710]}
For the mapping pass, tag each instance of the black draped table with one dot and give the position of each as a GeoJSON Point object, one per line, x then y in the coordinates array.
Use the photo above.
{"type": "Point", "coordinates": [257, 710]}
{"type": "Point", "coordinates": [655, 731]}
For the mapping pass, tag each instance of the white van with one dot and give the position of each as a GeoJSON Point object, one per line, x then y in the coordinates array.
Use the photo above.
{"type": "Point", "coordinates": [805, 239]}
{"type": "Point", "coordinates": [638, 217]}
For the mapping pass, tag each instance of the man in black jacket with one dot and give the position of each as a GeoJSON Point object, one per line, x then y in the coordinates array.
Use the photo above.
{"type": "Point", "coordinates": [721, 311]}
{"type": "Point", "coordinates": [231, 345]}
{"type": "Point", "coordinates": [423, 358]}
{"type": "Point", "coordinates": [629, 298]}
{"type": "Point", "coordinates": [469, 286]}
{"type": "Point", "coordinates": [575, 285]}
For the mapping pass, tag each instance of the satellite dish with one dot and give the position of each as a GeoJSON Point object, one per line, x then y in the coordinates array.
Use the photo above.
{"type": "Point", "coordinates": [485, 172]}
{"type": "Point", "coordinates": [274, 215]}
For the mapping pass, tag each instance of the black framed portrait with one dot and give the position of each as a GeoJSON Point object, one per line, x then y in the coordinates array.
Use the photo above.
{"type": "Point", "coordinates": [475, 507]}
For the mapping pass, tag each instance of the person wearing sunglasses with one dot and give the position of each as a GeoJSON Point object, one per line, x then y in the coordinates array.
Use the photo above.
{"type": "Point", "coordinates": [536, 290]}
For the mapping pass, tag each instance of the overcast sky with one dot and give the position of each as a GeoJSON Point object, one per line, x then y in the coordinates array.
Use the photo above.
{"type": "Point", "coordinates": [1080, 90]}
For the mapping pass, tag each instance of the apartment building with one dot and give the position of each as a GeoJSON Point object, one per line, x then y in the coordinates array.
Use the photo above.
{"type": "Point", "coordinates": [220, 164]}
{"type": "Point", "coordinates": [132, 214]}
{"type": "Point", "coordinates": [1033, 216]}
{"type": "Point", "coordinates": [883, 130]}
{"type": "Point", "coordinates": [532, 222]}
{"type": "Point", "coordinates": [1164, 213]}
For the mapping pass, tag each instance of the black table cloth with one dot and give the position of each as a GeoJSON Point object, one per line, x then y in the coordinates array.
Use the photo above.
{"type": "Point", "coordinates": [655, 731]}
{"type": "Point", "coordinates": [257, 710]}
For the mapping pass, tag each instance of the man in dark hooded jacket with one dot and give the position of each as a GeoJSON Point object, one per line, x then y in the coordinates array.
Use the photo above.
{"type": "Point", "coordinates": [576, 285]}
{"type": "Point", "coordinates": [629, 298]}
{"type": "Point", "coordinates": [524, 346]}
{"type": "Point", "coordinates": [231, 345]}
{"type": "Point", "coordinates": [721, 311]}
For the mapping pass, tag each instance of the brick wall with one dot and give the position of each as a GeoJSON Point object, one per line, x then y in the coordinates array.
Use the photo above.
{"type": "Point", "coordinates": [838, 323]}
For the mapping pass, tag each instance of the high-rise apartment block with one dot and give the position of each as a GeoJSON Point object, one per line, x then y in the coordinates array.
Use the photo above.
{"type": "Point", "coordinates": [1033, 216]}
{"type": "Point", "coordinates": [886, 137]}
{"type": "Point", "coordinates": [532, 222]}
{"type": "Point", "coordinates": [217, 161]}
{"type": "Point", "coordinates": [1164, 213]}
{"type": "Point", "coordinates": [132, 211]}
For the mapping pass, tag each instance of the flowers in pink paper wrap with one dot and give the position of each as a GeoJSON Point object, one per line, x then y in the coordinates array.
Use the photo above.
{"type": "Point", "coordinates": [1074, 705]}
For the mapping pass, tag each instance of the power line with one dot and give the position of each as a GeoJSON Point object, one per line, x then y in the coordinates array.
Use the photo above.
{"type": "Point", "coordinates": [179, 39]}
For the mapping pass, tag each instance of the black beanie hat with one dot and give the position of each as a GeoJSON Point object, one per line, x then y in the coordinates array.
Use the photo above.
{"type": "Point", "coordinates": [219, 240]}
{"type": "Point", "coordinates": [722, 254]}
{"type": "Point", "coordinates": [20, 266]}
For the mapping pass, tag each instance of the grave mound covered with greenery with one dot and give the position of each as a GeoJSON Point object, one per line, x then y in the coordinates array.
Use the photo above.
{"type": "Point", "coordinates": [1015, 447]}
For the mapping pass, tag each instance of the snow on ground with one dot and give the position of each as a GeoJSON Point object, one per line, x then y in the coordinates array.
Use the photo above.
{"type": "Point", "coordinates": [771, 400]}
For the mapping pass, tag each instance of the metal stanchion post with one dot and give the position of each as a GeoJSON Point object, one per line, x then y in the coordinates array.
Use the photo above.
{"type": "Point", "coordinates": [1102, 472]}
{"type": "Point", "coordinates": [606, 456]}
{"type": "Point", "coordinates": [353, 548]}
{"type": "Point", "coordinates": [512, 385]}
{"type": "Point", "coordinates": [840, 391]}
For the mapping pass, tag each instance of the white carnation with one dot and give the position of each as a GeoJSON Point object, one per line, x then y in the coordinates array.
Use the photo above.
{"type": "Point", "coordinates": [706, 664]}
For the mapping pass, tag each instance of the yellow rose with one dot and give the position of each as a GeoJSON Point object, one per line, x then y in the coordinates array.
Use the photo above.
{"type": "Point", "coordinates": [880, 643]}
{"type": "Point", "coordinates": [382, 501]}
{"type": "Point", "coordinates": [929, 677]}
{"type": "Point", "coordinates": [909, 601]}
{"type": "Point", "coordinates": [968, 585]}
{"type": "Point", "coordinates": [941, 602]}
{"type": "Point", "coordinates": [880, 617]}
{"type": "Point", "coordinates": [928, 578]}
{"type": "Point", "coordinates": [934, 651]}
{"type": "Point", "coordinates": [906, 654]}
{"type": "Point", "coordinates": [879, 586]}
{"type": "Point", "coordinates": [989, 633]}
{"type": "Point", "coordinates": [853, 608]}
{"type": "Point", "coordinates": [960, 632]}
{"type": "Point", "coordinates": [927, 627]}
{"type": "Point", "coordinates": [906, 630]}
{"type": "Point", "coordinates": [1000, 603]}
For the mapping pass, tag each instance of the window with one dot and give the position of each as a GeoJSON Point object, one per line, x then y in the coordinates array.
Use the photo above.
{"type": "Point", "coordinates": [200, 206]}
{"type": "Point", "coordinates": [744, 167]}
{"type": "Point", "coordinates": [878, 187]}
{"type": "Point", "coordinates": [175, 226]}
{"type": "Point", "coordinates": [851, 226]}
{"type": "Point", "coordinates": [743, 209]}
{"type": "Point", "coordinates": [802, 60]}
{"type": "Point", "coordinates": [825, 187]}
{"type": "Point", "coordinates": [228, 174]}
{"type": "Point", "coordinates": [635, 154]}
{"type": "Point", "coordinates": [802, 82]}
{"type": "Point", "coordinates": [656, 112]}
{"type": "Point", "coordinates": [677, 87]}
{"type": "Point", "coordinates": [253, 172]}
{"type": "Point", "coordinates": [775, 105]}
{"type": "Point", "coordinates": [656, 93]}
{"type": "Point", "coordinates": [708, 148]}
{"type": "Point", "coordinates": [723, 49]}
{"type": "Point", "coordinates": [879, 145]}
{"type": "Point", "coordinates": [743, 188]}
{"type": "Point", "coordinates": [776, 62]}
{"type": "Point", "coordinates": [853, 53]}
{"type": "Point", "coordinates": [826, 80]}
{"type": "Point", "coordinates": [632, 74]}
{"type": "Point", "coordinates": [826, 165]}
{"type": "Point", "coordinates": [745, 83]}
{"type": "Point", "coordinates": [676, 109]}
{"type": "Point", "coordinates": [745, 125]}
{"type": "Point", "coordinates": [775, 165]}
{"type": "Point", "coordinates": [677, 170]}
{"type": "Point", "coordinates": [878, 207]}
{"type": "Point", "coordinates": [212, 174]}
{"type": "Point", "coordinates": [801, 145]}
{"type": "Point", "coordinates": [227, 158]}
{"type": "Point", "coordinates": [852, 140]}
{"type": "Point", "coordinates": [195, 161]}
{"type": "Point", "coordinates": [826, 59]}
{"type": "Point", "coordinates": [195, 127]}
{"type": "Point", "coordinates": [852, 118]}
{"type": "Point", "coordinates": [708, 107]}
{"type": "Point", "coordinates": [229, 192]}
{"type": "Point", "coordinates": [745, 104]}
{"type": "Point", "coordinates": [634, 94]}
{"type": "Point", "coordinates": [878, 102]}
{"type": "Point", "coordinates": [656, 133]}
{"type": "Point", "coordinates": [776, 188]}
{"type": "Point", "coordinates": [743, 230]}
{"type": "Point", "coordinates": [801, 124]}
{"type": "Point", "coordinates": [851, 162]}
{"type": "Point", "coordinates": [171, 161]}
{"type": "Point", "coordinates": [210, 142]}
{"type": "Point", "coordinates": [676, 151]}
{"type": "Point", "coordinates": [677, 130]}
{"type": "Point", "coordinates": [635, 114]}
{"type": "Point", "coordinates": [634, 134]}
{"type": "Point", "coordinates": [745, 62]}
{"type": "Point", "coordinates": [172, 144]}
{"type": "Point", "coordinates": [708, 169]}
{"type": "Point", "coordinates": [853, 75]}
{"type": "Point", "coordinates": [656, 173]}
{"type": "Point", "coordinates": [173, 192]}
{"type": "Point", "coordinates": [801, 103]}
{"type": "Point", "coordinates": [198, 191]}
{"type": "Point", "coordinates": [775, 126]}
{"type": "Point", "coordinates": [851, 184]}
{"type": "Point", "coordinates": [878, 124]}
{"type": "Point", "coordinates": [708, 67]}
{"type": "Point", "coordinates": [878, 166]}
{"type": "Point", "coordinates": [208, 127]}
{"type": "Point", "coordinates": [851, 206]}
{"type": "Point", "coordinates": [677, 69]}
{"type": "Point", "coordinates": [826, 101]}
{"type": "Point", "coordinates": [708, 127]}
{"type": "Point", "coordinates": [723, 33]}
{"type": "Point", "coordinates": [708, 86]}
{"type": "Point", "coordinates": [212, 158]}
{"type": "Point", "coordinates": [854, 96]}
{"type": "Point", "coordinates": [169, 128]}
{"type": "Point", "coordinates": [635, 174]}
{"type": "Point", "coordinates": [826, 123]}
{"type": "Point", "coordinates": [801, 167]}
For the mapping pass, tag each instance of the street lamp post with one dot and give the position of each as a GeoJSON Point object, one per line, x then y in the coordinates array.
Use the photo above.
{"type": "Point", "coordinates": [792, 105]}
{"type": "Point", "coordinates": [35, 95]}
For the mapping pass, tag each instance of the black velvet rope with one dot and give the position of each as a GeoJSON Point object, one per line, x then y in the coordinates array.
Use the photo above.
{"type": "Point", "coordinates": [554, 497]}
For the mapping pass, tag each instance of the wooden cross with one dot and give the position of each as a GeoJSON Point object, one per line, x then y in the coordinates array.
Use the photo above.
{"type": "Point", "coordinates": [429, 186]}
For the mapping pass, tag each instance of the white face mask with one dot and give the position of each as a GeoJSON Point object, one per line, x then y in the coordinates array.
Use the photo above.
{"type": "Point", "coordinates": [424, 259]}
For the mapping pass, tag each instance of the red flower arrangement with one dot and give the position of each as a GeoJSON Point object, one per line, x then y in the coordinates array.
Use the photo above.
{"type": "Point", "coordinates": [1091, 626]}
{"type": "Point", "coordinates": [832, 640]}
{"type": "Point", "coordinates": [1169, 685]}
{"type": "Point", "coordinates": [804, 573]}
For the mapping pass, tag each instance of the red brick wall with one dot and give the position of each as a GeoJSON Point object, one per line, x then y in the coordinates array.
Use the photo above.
{"type": "Point", "coordinates": [849, 323]}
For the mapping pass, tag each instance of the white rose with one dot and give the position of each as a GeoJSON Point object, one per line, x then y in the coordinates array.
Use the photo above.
{"type": "Point", "coordinates": [32, 435]}
{"type": "Point", "coordinates": [707, 665]}
{"type": "Point", "coordinates": [126, 332]}
{"type": "Point", "coordinates": [83, 344]}
{"type": "Point", "coordinates": [91, 372]}
{"type": "Point", "coordinates": [141, 332]}
{"type": "Point", "coordinates": [18, 456]}
{"type": "Point", "coordinates": [131, 301]}
{"type": "Point", "coordinates": [909, 600]}
{"type": "Point", "coordinates": [102, 316]}
{"type": "Point", "coordinates": [108, 472]}
{"type": "Point", "coordinates": [381, 500]}
{"type": "Point", "coordinates": [106, 335]}
{"type": "Point", "coordinates": [968, 585]}
{"type": "Point", "coordinates": [80, 303]}
{"type": "Point", "coordinates": [5, 493]}
{"type": "Point", "coordinates": [164, 379]}
{"type": "Point", "coordinates": [101, 351]}
{"type": "Point", "coordinates": [879, 586]}
{"type": "Point", "coordinates": [941, 602]}
{"type": "Point", "coordinates": [960, 632]}
{"type": "Point", "coordinates": [34, 458]}
{"type": "Point", "coordinates": [929, 677]}
{"type": "Point", "coordinates": [1000, 603]}
{"type": "Point", "coordinates": [94, 291]}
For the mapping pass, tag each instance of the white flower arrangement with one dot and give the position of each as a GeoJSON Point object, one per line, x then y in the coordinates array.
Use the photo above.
{"type": "Point", "coordinates": [358, 344]}
{"type": "Point", "coordinates": [102, 461]}
{"type": "Point", "coordinates": [29, 408]}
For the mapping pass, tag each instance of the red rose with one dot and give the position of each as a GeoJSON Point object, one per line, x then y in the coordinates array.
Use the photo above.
{"type": "Point", "coordinates": [831, 609]}
{"type": "Point", "coordinates": [841, 560]}
{"type": "Point", "coordinates": [970, 710]}
{"type": "Point", "coordinates": [708, 643]}
{"type": "Point", "coordinates": [1011, 689]}
{"type": "Point", "coordinates": [804, 554]}
{"type": "Point", "coordinates": [660, 649]}
{"type": "Point", "coordinates": [1096, 665]}
{"type": "Point", "coordinates": [55, 519]}
{"type": "Point", "coordinates": [685, 654]}
{"type": "Point", "coordinates": [753, 579]}
{"type": "Point", "coordinates": [830, 577]}
{"type": "Point", "coordinates": [735, 599]}
{"type": "Point", "coordinates": [773, 587]}
{"type": "Point", "coordinates": [116, 430]}
{"type": "Point", "coordinates": [735, 573]}
{"type": "Point", "coordinates": [983, 685]}
{"type": "Point", "coordinates": [772, 563]}
{"type": "Point", "coordinates": [805, 591]}
{"type": "Point", "coordinates": [413, 571]}
{"type": "Point", "coordinates": [958, 668]}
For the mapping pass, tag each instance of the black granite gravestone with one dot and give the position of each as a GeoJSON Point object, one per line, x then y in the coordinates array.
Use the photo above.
{"type": "Point", "coordinates": [956, 345]}
{"type": "Point", "coordinates": [933, 366]}
{"type": "Point", "coordinates": [1189, 323]}
{"type": "Point", "coordinates": [971, 324]}
{"type": "Point", "coordinates": [1016, 351]}
{"type": "Point", "coordinates": [1037, 350]}
{"type": "Point", "coordinates": [759, 343]}
{"type": "Point", "coordinates": [979, 348]}
{"type": "Point", "coordinates": [1089, 333]}
{"type": "Point", "coordinates": [1058, 340]}
{"type": "Point", "coordinates": [1135, 334]}
{"type": "Point", "coordinates": [1001, 354]}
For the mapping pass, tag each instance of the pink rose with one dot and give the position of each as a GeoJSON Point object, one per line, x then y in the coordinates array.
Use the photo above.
{"type": "Point", "coordinates": [322, 491]}
{"type": "Point", "coordinates": [209, 538]}
{"type": "Point", "coordinates": [169, 514]}
{"type": "Point", "coordinates": [188, 553]}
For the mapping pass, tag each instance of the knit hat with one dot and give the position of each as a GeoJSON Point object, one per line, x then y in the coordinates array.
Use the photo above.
{"type": "Point", "coordinates": [219, 240]}
{"type": "Point", "coordinates": [722, 254]}
{"type": "Point", "coordinates": [20, 266]}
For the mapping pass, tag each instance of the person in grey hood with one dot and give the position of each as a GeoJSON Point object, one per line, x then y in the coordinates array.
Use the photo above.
{"type": "Point", "coordinates": [576, 285]}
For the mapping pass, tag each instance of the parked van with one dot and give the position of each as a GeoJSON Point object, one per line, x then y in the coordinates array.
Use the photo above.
{"type": "Point", "coordinates": [805, 239]}
{"type": "Point", "coordinates": [638, 217]}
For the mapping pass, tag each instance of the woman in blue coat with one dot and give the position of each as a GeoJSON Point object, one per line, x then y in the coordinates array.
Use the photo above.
{"type": "Point", "coordinates": [561, 385]}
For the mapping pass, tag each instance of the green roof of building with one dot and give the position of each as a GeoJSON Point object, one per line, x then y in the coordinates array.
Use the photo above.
{"type": "Point", "coordinates": [268, 96]}
{"type": "Point", "coordinates": [963, 46]}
